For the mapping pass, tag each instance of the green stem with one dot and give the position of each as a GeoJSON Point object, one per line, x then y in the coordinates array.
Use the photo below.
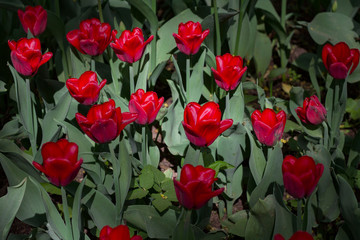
{"type": "Point", "coordinates": [92, 65]}
{"type": "Point", "coordinates": [187, 79]}
{"type": "Point", "coordinates": [326, 135]}
{"type": "Point", "coordinates": [227, 105]}
{"type": "Point", "coordinates": [132, 80]}
{"type": "Point", "coordinates": [144, 146]}
{"type": "Point", "coordinates": [57, 8]}
{"type": "Point", "coordinates": [283, 58]}
{"type": "Point", "coordinates": [100, 11]}
{"type": "Point", "coordinates": [153, 42]}
{"type": "Point", "coordinates": [30, 107]}
{"type": "Point", "coordinates": [237, 42]}
{"type": "Point", "coordinates": [116, 170]}
{"type": "Point", "coordinates": [298, 215]}
{"type": "Point", "coordinates": [217, 29]}
{"type": "Point", "coordinates": [66, 214]}
{"type": "Point", "coordinates": [197, 156]}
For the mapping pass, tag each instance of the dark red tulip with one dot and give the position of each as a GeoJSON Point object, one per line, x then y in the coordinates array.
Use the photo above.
{"type": "Point", "coordinates": [301, 175]}
{"type": "Point", "coordinates": [299, 235]}
{"type": "Point", "coordinates": [268, 126]}
{"type": "Point", "coordinates": [195, 186]}
{"type": "Point", "coordinates": [189, 37]}
{"type": "Point", "coordinates": [85, 89]}
{"type": "Point", "coordinates": [146, 105]}
{"type": "Point", "coordinates": [92, 38]}
{"type": "Point", "coordinates": [26, 55]}
{"type": "Point", "coordinates": [202, 124]}
{"type": "Point", "coordinates": [229, 70]}
{"type": "Point", "coordinates": [104, 122]}
{"type": "Point", "coordinates": [338, 59]}
{"type": "Point", "coordinates": [130, 46]}
{"type": "Point", "coordinates": [34, 19]}
{"type": "Point", "coordinates": [312, 112]}
{"type": "Point", "coordinates": [60, 163]}
{"type": "Point", "coordinates": [120, 232]}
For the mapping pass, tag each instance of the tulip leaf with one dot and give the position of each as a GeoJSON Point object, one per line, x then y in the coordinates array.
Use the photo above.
{"type": "Point", "coordinates": [262, 52]}
{"type": "Point", "coordinates": [13, 5]}
{"type": "Point", "coordinates": [9, 206]}
{"type": "Point", "coordinates": [197, 79]}
{"type": "Point", "coordinates": [146, 218]}
{"type": "Point", "coordinates": [220, 165]}
{"type": "Point", "coordinates": [76, 210]}
{"type": "Point", "coordinates": [333, 27]}
{"type": "Point", "coordinates": [271, 174]}
{"type": "Point", "coordinates": [262, 219]}
{"type": "Point", "coordinates": [236, 223]}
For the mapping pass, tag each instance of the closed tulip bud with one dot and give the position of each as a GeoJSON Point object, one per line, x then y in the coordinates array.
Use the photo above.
{"type": "Point", "coordinates": [146, 105]}
{"type": "Point", "coordinates": [190, 37]}
{"type": "Point", "coordinates": [299, 235]}
{"type": "Point", "coordinates": [33, 19]}
{"type": "Point", "coordinates": [120, 232]}
{"type": "Point", "coordinates": [92, 38]}
{"type": "Point", "coordinates": [86, 89]}
{"type": "Point", "coordinates": [312, 112]}
{"type": "Point", "coordinates": [301, 175]}
{"type": "Point", "coordinates": [268, 126]}
{"type": "Point", "coordinates": [229, 71]}
{"type": "Point", "coordinates": [130, 46]}
{"type": "Point", "coordinates": [26, 55]}
{"type": "Point", "coordinates": [60, 163]}
{"type": "Point", "coordinates": [104, 122]}
{"type": "Point", "coordinates": [202, 124]}
{"type": "Point", "coordinates": [195, 186]}
{"type": "Point", "coordinates": [339, 59]}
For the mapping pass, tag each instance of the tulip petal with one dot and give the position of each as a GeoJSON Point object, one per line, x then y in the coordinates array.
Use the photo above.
{"type": "Point", "coordinates": [338, 70]}
{"type": "Point", "coordinates": [293, 185]}
{"type": "Point", "coordinates": [183, 195]}
{"type": "Point", "coordinates": [104, 130]}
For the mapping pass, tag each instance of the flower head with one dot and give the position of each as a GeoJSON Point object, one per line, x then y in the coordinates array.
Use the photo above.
{"type": "Point", "coordinates": [34, 19]}
{"type": "Point", "coordinates": [312, 112]}
{"type": "Point", "coordinates": [120, 232]}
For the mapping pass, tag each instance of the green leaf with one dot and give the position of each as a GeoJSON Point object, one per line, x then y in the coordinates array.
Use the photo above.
{"type": "Point", "coordinates": [267, 6]}
{"type": "Point", "coordinates": [137, 194]}
{"type": "Point", "coordinates": [237, 223]}
{"type": "Point", "coordinates": [161, 204]}
{"type": "Point", "coordinates": [76, 210]}
{"type": "Point", "coordinates": [12, 5]}
{"type": "Point", "coordinates": [220, 165]}
{"type": "Point", "coordinates": [262, 52]}
{"type": "Point", "coordinates": [9, 205]}
{"type": "Point", "coordinates": [353, 107]}
{"type": "Point", "coordinates": [333, 27]}
{"type": "Point", "coordinates": [261, 221]}
{"type": "Point", "coordinates": [197, 79]}
{"type": "Point", "coordinates": [146, 179]}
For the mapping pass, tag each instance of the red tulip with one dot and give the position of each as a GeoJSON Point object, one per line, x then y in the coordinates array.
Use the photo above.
{"type": "Point", "coordinates": [92, 38]}
{"type": "Point", "coordinates": [34, 19]}
{"type": "Point", "coordinates": [339, 59]}
{"type": "Point", "coordinates": [146, 105]}
{"type": "Point", "coordinates": [26, 55]}
{"type": "Point", "coordinates": [195, 186]}
{"type": "Point", "coordinates": [104, 122]}
{"type": "Point", "coordinates": [229, 71]}
{"type": "Point", "coordinates": [130, 46]}
{"type": "Point", "coordinates": [60, 163]}
{"type": "Point", "coordinates": [120, 232]}
{"type": "Point", "coordinates": [299, 235]}
{"type": "Point", "coordinates": [312, 112]}
{"type": "Point", "coordinates": [85, 89]}
{"type": "Point", "coordinates": [268, 126]}
{"type": "Point", "coordinates": [202, 124]}
{"type": "Point", "coordinates": [190, 37]}
{"type": "Point", "coordinates": [301, 175]}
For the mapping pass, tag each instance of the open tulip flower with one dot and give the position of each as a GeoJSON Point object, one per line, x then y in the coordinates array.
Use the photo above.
{"type": "Point", "coordinates": [195, 186]}
{"type": "Point", "coordinates": [26, 55]}
{"type": "Point", "coordinates": [92, 38]}
{"type": "Point", "coordinates": [312, 112]}
{"type": "Point", "coordinates": [85, 89]}
{"type": "Point", "coordinates": [60, 163]}
{"type": "Point", "coordinates": [299, 235]}
{"type": "Point", "coordinates": [301, 175]}
{"type": "Point", "coordinates": [120, 232]}
{"type": "Point", "coordinates": [130, 46]}
{"type": "Point", "coordinates": [268, 126]}
{"type": "Point", "coordinates": [33, 19]}
{"type": "Point", "coordinates": [338, 59]}
{"type": "Point", "coordinates": [202, 124]}
{"type": "Point", "coordinates": [229, 71]}
{"type": "Point", "coordinates": [189, 37]}
{"type": "Point", "coordinates": [146, 105]}
{"type": "Point", "coordinates": [104, 122]}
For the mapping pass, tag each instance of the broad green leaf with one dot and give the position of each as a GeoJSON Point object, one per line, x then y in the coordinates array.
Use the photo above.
{"type": "Point", "coordinates": [76, 211]}
{"type": "Point", "coordinates": [161, 204]}
{"type": "Point", "coordinates": [12, 5]}
{"type": "Point", "coordinates": [9, 205]}
{"type": "Point", "coordinates": [353, 107]}
{"type": "Point", "coordinates": [236, 223]}
{"type": "Point", "coordinates": [196, 79]}
{"type": "Point", "coordinates": [220, 165]}
{"type": "Point", "coordinates": [137, 193]}
{"type": "Point", "coordinates": [262, 52]}
{"type": "Point", "coordinates": [146, 179]}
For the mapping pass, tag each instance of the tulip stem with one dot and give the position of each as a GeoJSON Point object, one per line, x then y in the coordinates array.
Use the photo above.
{"type": "Point", "coordinates": [217, 29]}
{"type": "Point", "coordinates": [144, 146]}
{"type": "Point", "coordinates": [92, 65]}
{"type": "Point", "coordinates": [227, 105]}
{"type": "Point", "coordinates": [326, 135]}
{"type": "Point", "coordinates": [283, 59]}
{"type": "Point", "coordinates": [187, 79]}
{"type": "Point", "coordinates": [32, 135]}
{"type": "Point", "coordinates": [100, 12]}
{"type": "Point", "coordinates": [241, 15]}
{"type": "Point", "coordinates": [66, 214]}
{"type": "Point", "coordinates": [132, 81]}
{"type": "Point", "coordinates": [299, 215]}
{"type": "Point", "coordinates": [116, 171]}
